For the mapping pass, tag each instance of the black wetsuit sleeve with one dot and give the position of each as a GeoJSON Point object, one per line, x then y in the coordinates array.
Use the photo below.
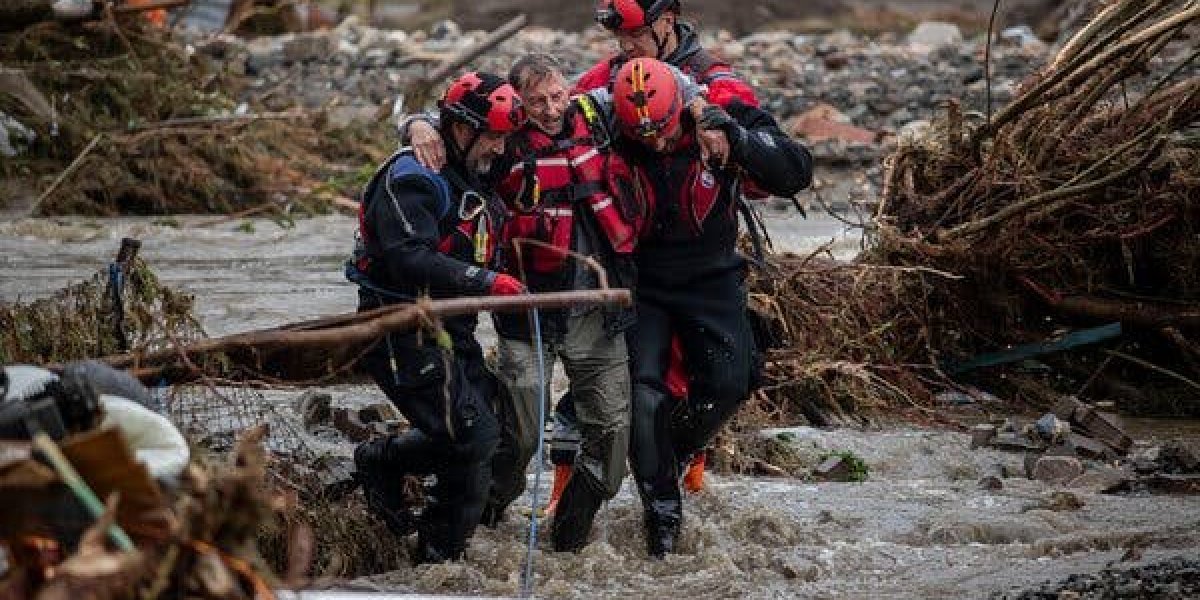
{"type": "Point", "coordinates": [406, 226]}
{"type": "Point", "coordinates": [772, 159]}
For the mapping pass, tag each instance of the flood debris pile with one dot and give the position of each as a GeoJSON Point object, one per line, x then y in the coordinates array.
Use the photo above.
{"type": "Point", "coordinates": [117, 117]}
{"type": "Point", "coordinates": [844, 340]}
{"type": "Point", "coordinates": [192, 538]}
{"type": "Point", "coordinates": [1073, 208]}
{"type": "Point", "coordinates": [1046, 253]}
{"type": "Point", "coordinates": [86, 320]}
{"type": "Point", "coordinates": [1070, 209]}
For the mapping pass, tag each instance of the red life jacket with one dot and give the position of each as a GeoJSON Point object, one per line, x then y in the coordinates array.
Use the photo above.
{"type": "Point", "coordinates": [695, 195]}
{"type": "Point", "coordinates": [559, 175]}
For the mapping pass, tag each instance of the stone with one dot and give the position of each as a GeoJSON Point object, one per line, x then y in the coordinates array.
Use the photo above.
{"type": "Point", "coordinates": [380, 412]}
{"type": "Point", "coordinates": [350, 424]}
{"type": "Point", "coordinates": [303, 47]}
{"type": "Point", "coordinates": [1052, 429]}
{"type": "Point", "coordinates": [982, 434]}
{"type": "Point", "coordinates": [991, 482]}
{"type": "Point", "coordinates": [1180, 457]}
{"type": "Point", "coordinates": [314, 408]}
{"type": "Point", "coordinates": [1101, 480]}
{"type": "Point", "coordinates": [834, 468]}
{"type": "Point", "coordinates": [824, 122]}
{"type": "Point", "coordinates": [931, 35]}
{"type": "Point", "coordinates": [1065, 407]}
{"type": "Point", "coordinates": [1057, 469]}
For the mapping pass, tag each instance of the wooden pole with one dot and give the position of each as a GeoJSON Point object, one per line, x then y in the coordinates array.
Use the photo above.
{"type": "Point", "coordinates": [494, 38]}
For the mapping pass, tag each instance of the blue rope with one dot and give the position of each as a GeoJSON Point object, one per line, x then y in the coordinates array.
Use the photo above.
{"type": "Point", "coordinates": [527, 576]}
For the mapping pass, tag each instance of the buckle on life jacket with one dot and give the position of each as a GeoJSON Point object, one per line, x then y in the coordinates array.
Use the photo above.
{"type": "Point", "coordinates": [467, 209]}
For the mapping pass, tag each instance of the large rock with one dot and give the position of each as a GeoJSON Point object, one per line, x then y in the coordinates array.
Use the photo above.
{"type": "Point", "coordinates": [932, 35]}
{"type": "Point", "coordinates": [1057, 469]}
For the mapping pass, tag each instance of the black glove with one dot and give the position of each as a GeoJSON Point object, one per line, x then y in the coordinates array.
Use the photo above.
{"type": "Point", "coordinates": [714, 118]}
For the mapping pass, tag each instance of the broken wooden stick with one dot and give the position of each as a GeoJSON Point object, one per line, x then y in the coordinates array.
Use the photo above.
{"type": "Point", "coordinates": [493, 39]}
{"type": "Point", "coordinates": [297, 350]}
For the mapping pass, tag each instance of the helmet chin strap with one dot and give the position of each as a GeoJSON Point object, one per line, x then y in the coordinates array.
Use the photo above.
{"type": "Point", "coordinates": [660, 43]}
{"type": "Point", "coordinates": [459, 155]}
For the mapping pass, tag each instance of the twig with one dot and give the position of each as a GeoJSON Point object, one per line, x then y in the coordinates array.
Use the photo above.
{"type": "Point", "coordinates": [987, 59]}
{"type": "Point", "coordinates": [238, 215]}
{"type": "Point", "coordinates": [588, 261]}
{"type": "Point", "coordinates": [66, 172]}
{"type": "Point", "coordinates": [1067, 190]}
{"type": "Point", "coordinates": [185, 121]}
{"type": "Point", "coordinates": [1154, 367]}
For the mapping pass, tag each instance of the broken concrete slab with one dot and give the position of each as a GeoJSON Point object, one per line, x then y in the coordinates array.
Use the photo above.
{"type": "Point", "coordinates": [1104, 426]}
{"type": "Point", "coordinates": [1087, 447]}
{"type": "Point", "coordinates": [1057, 469]}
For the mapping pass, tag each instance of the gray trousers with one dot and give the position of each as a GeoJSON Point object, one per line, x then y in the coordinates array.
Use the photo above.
{"type": "Point", "coordinates": [597, 366]}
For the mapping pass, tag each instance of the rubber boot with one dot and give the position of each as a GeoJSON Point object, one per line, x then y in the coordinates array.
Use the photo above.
{"type": "Point", "coordinates": [662, 535]}
{"type": "Point", "coordinates": [562, 474]}
{"type": "Point", "coordinates": [693, 478]}
{"type": "Point", "coordinates": [581, 500]}
{"type": "Point", "coordinates": [381, 486]}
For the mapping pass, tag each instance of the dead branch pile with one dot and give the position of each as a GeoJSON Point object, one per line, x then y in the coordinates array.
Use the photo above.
{"type": "Point", "coordinates": [1076, 205]}
{"type": "Point", "coordinates": [81, 321]}
{"type": "Point", "coordinates": [850, 340]}
{"type": "Point", "coordinates": [127, 121]}
{"type": "Point", "coordinates": [1073, 206]}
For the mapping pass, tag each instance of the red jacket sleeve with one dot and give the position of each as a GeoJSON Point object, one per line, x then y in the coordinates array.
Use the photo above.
{"type": "Point", "coordinates": [594, 78]}
{"type": "Point", "coordinates": [724, 87]}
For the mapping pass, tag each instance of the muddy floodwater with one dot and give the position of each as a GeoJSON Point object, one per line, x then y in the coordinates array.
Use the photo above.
{"type": "Point", "coordinates": [921, 526]}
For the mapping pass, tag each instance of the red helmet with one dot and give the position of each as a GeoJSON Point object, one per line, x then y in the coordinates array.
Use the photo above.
{"type": "Point", "coordinates": [647, 98]}
{"type": "Point", "coordinates": [485, 102]}
{"type": "Point", "coordinates": [618, 15]}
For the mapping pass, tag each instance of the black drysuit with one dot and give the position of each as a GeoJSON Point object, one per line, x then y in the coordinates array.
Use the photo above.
{"type": "Point", "coordinates": [691, 282]}
{"type": "Point", "coordinates": [418, 235]}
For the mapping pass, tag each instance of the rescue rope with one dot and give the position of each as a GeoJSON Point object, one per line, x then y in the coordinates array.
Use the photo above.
{"type": "Point", "coordinates": [527, 576]}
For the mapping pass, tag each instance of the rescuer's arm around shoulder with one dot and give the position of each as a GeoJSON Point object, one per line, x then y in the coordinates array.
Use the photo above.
{"type": "Point", "coordinates": [773, 160]}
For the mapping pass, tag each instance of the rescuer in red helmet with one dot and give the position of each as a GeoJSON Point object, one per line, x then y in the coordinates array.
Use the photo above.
{"type": "Point", "coordinates": [691, 279]}
{"type": "Point", "coordinates": [426, 232]}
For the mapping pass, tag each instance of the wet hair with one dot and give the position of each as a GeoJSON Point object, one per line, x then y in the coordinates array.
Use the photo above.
{"type": "Point", "coordinates": [533, 66]}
